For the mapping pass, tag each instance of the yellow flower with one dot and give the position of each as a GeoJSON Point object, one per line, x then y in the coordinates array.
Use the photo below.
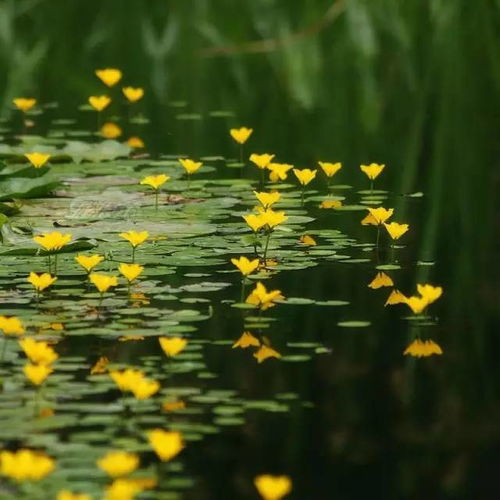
{"type": "Point", "coordinates": [273, 487]}
{"type": "Point", "coordinates": [265, 352]}
{"type": "Point", "coordinates": [25, 465]}
{"type": "Point", "coordinates": [133, 94]}
{"type": "Point", "coordinates": [416, 304]}
{"type": "Point", "coordinates": [11, 326]}
{"type": "Point", "coordinates": [305, 176]}
{"type": "Point", "coordinates": [131, 271]}
{"type": "Point", "coordinates": [109, 76]}
{"type": "Point", "coordinates": [278, 171]}
{"type": "Point", "coordinates": [68, 495]}
{"type": "Point", "coordinates": [38, 160]}
{"type": "Point", "coordinates": [245, 265]}
{"type": "Point", "coordinates": [272, 218]}
{"type": "Point", "coordinates": [255, 222]}
{"type": "Point", "coordinates": [381, 280]}
{"type": "Point", "coordinates": [99, 102]}
{"type": "Point", "coordinates": [419, 349]}
{"type": "Point", "coordinates": [263, 299]}
{"type": "Point", "coordinates": [52, 241]}
{"type": "Point", "coordinates": [262, 161]}
{"type": "Point", "coordinates": [369, 220]}
{"type": "Point", "coordinates": [189, 165]}
{"type": "Point", "coordinates": [267, 199]}
{"type": "Point", "coordinates": [122, 489]}
{"type": "Point", "coordinates": [430, 293]}
{"type": "Point", "coordinates": [172, 345]}
{"type": "Point", "coordinates": [118, 463]}
{"type": "Point", "coordinates": [246, 340]}
{"type": "Point", "coordinates": [173, 406]}
{"type": "Point", "coordinates": [165, 444]}
{"type": "Point", "coordinates": [100, 366]}
{"type": "Point", "coordinates": [155, 181]}
{"type": "Point", "coordinates": [380, 214]}
{"type": "Point", "coordinates": [24, 103]}
{"type": "Point", "coordinates": [126, 379]}
{"type": "Point", "coordinates": [111, 130]}
{"type": "Point", "coordinates": [135, 238]}
{"type": "Point", "coordinates": [38, 352]}
{"type": "Point", "coordinates": [88, 262]}
{"type": "Point", "coordinates": [396, 297]}
{"type": "Point", "coordinates": [396, 230]}
{"type": "Point", "coordinates": [41, 281]}
{"type": "Point", "coordinates": [103, 281]}
{"type": "Point", "coordinates": [330, 169]}
{"type": "Point", "coordinates": [144, 388]}
{"type": "Point", "coordinates": [135, 142]}
{"type": "Point", "coordinates": [241, 135]}
{"type": "Point", "coordinates": [373, 170]}
{"type": "Point", "coordinates": [330, 204]}
{"type": "Point", "coordinates": [305, 239]}
{"type": "Point", "coordinates": [36, 374]}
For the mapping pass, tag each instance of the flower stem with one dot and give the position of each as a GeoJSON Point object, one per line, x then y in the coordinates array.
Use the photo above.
{"type": "Point", "coordinates": [266, 247]}
{"type": "Point", "coordinates": [133, 254]}
{"type": "Point", "coordinates": [156, 200]}
{"type": "Point", "coordinates": [302, 195]}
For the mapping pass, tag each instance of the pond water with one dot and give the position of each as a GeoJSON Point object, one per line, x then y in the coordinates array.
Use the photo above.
{"type": "Point", "coordinates": [336, 406]}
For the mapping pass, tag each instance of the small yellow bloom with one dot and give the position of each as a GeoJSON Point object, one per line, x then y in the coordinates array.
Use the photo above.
{"type": "Point", "coordinates": [36, 374]}
{"type": "Point", "coordinates": [246, 340]}
{"type": "Point", "coordinates": [122, 489]}
{"type": "Point", "coordinates": [272, 218]}
{"type": "Point", "coordinates": [24, 103]}
{"type": "Point", "coordinates": [100, 366]}
{"type": "Point", "coordinates": [265, 352]}
{"type": "Point", "coordinates": [305, 239]}
{"type": "Point", "coordinates": [155, 181]}
{"type": "Point", "coordinates": [419, 349]}
{"type": "Point", "coordinates": [171, 406]}
{"type": "Point", "coordinates": [330, 169]}
{"type": "Point", "coordinates": [396, 230]}
{"type": "Point", "coordinates": [381, 280]}
{"type": "Point", "coordinates": [126, 379]}
{"type": "Point", "coordinates": [381, 214]}
{"type": "Point", "coordinates": [278, 171]}
{"type": "Point", "coordinates": [52, 241]}
{"type": "Point", "coordinates": [369, 220]}
{"type": "Point", "coordinates": [172, 345]}
{"type": "Point", "coordinates": [189, 165]}
{"type": "Point", "coordinates": [373, 170]}
{"type": "Point", "coordinates": [267, 199]}
{"type": "Point", "coordinates": [38, 352]}
{"type": "Point", "coordinates": [68, 495]}
{"type": "Point", "coordinates": [25, 465]}
{"type": "Point", "coordinates": [145, 388]}
{"type": "Point", "coordinates": [88, 262]}
{"type": "Point", "coordinates": [131, 271]}
{"type": "Point", "coordinates": [135, 238]}
{"type": "Point", "coordinates": [263, 299]}
{"type": "Point", "coordinates": [99, 102]}
{"type": "Point", "coordinates": [133, 94]}
{"type": "Point", "coordinates": [109, 76]}
{"type": "Point", "coordinates": [330, 204]}
{"type": "Point", "coordinates": [118, 463]}
{"type": "Point", "coordinates": [255, 222]}
{"type": "Point", "coordinates": [245, 265]}
{"type": "Point", "coordinates": [429, 293]}
{"type": "Point", "coordinates": [396, 297]}
{"type": "Point", "coordinates": [165, 444]}
{"type": "Point", "coordinates": [111, 130]}
{"type": "Point", "coordinates": [241, 135]}
{"type": "Point", "coordinates": [273, 487]}
{"type": "Point", "coordinates": [41, 281]}
{"type": "Point", "coordinates": [305, 176]}
{"type": "Point", "coordinates": [416, 304]}
{"type": "Point", "coordinates": [262, 161]}
{"type": "Point", "coordinates": [11, 325]}
{"type": "Point", "coordinates": [135, 142]}
{"type": "Point", "coordinates": [38, 160]}
{"type": "Point", "coordinates": [103, 281]}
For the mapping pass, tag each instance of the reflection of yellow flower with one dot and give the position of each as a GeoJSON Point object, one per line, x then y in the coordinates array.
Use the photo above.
{"type": "Point", "coordinates": [25, 465]}
{"type": "Point", "coordinates": [305, 175]}
{"type": "Point", "coordinates": [267, 199]}
{"type": "Point", "coordinates": [395, 297]}
{"type": "Point", "coordinates": [36, 374]}
{"type": "Point", "coordinates": [419, 349]}
{"type": "Point", "coordinates": [241, 135]}
{"type": "Point", "coordinates": [262, 161]}
{"type": "Point", "coordinates": [11, 326]}
{"type": "Point", "coordinates": [135, 238]}
{"type": "Point", "coordinates": [247, 340]}
{"type": "Point", "coordinates": [99, 102]}
{"type": "Point", "coordinates": [118, 463]}
{"type": "Point", "coordinates": [189, 165]}
{"type": "Point", "coordinates": [380, 214]}
{"type": "Point", "coordinates": [165, 444]}
{"type": "Point", "coordinates": [263, 299]}
{"type": "Point", "coordinates": [171, 406]}
{"type": "Point", "coordinates": [88, 262]}
{"type": "Point", "coordinates": [103, 281]}
{"type": "Point", "coordinates": [373, 170]}
{"type": "Point", "coordinates": [245, 265]}
{"type": "Point", "coordinates": [111, 130]}
{"type": "Point", "coordinates": [305, 239]}
{"type": "Point", "coordinates": [381, 280]}
{"type": "Point", "coordinates": [330, 204]}
{"type": "Point", "coordinates": [133, 94]}
{"type": "Point", "coordinates": [155, 181]}
{"type": "Point", "coordinates": [172, 345]}
{"type": "Point", "coordinates": [52, 241]}
{"type": "Point", "coordinates": [278, 171]}
{"type": "Point", "coordinates": [330, 169]}
{"type": "Point", "coordinates": [41, 281]}
{"type": "Point", "coordinates": [273, 487]}
{"type": "Point", "coordinates": [429, 293]}
{"type": "Point", "coordinates": [109, 76]}
{"type": "Point", "coordinates": [68, 495]}
{"type": "Point", "coordinates": [265, 352]}
{"type": "Point", "coordinates": [396, 230]}
{"type": "Point", "coordinates": [24, 103]}
{"type": "Point", "coordinates": [131, 271]}
{"type": "Point", "coordinates": [38, 352]}
{"type": "Point", "coordinates": [135, 142]}
{"type": "Point", "coordinates": [38, 160]}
